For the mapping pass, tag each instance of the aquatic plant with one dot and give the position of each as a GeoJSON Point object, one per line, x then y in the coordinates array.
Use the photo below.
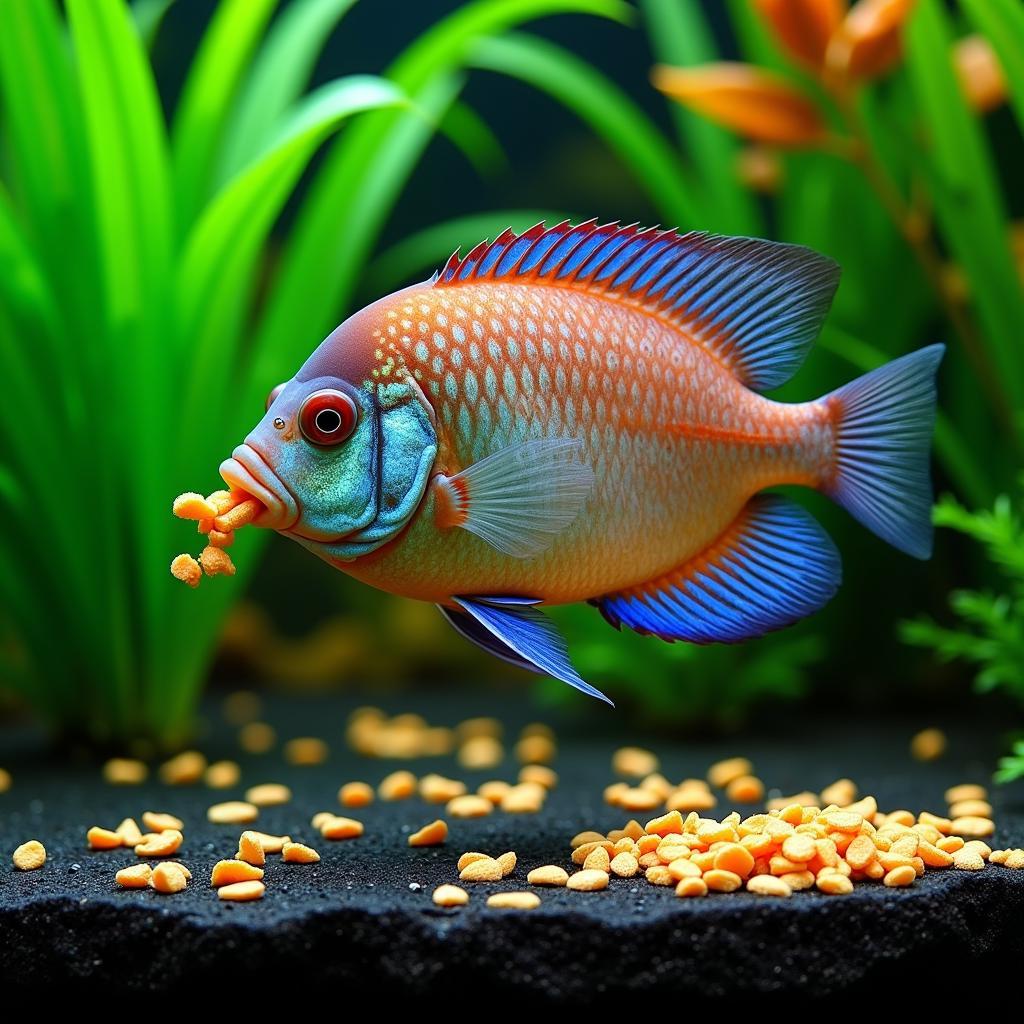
{"type": "Point", "coordinates": [989, 632]}
{"type": "Point", "coordinates": [141, 321]}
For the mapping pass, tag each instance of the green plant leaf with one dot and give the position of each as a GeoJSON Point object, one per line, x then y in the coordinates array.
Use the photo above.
{"type": "Point", "coordinates": [607, 111]}
{"type": "Point", "coordinates": [472, 135]}
{"type": "Point", "coordinates": [148, 16]}
{"type": "Point", "coordinates": [362, 175]}
{"type": "Point", "coordinates": [206, 99]}
{"type": "Point", "coordinates": [278, 75]}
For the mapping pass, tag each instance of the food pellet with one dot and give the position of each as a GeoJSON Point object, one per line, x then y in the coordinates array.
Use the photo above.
{"type": "Point", "coordinates": [494, 790]}
{"type": "Point", "coordinates": [514, 900]}
{"type": "Point", "coordinates": [103, 839]}
{"type": "Point", "coordinates": [433, 834]}
{"type": "Point", "coordinates": [125, 771]}
{"type": "Point", "coordinates": [639, 799]}
{"type": "Point", "coordinates": [216, 561]}
{"type": "Point", "coordinates": [659, 874]}
{"type": "Point", "coordinates": [634, 762]}
{"type": "Point", "coordinates": [691, 798]}
{"type": "Point", "coordinates": [469, 806]}
{"type": "Point", "coordinates": [471, 728]}
{"type": "Point", "coordinates": [222, 775]}
{"type": "Point", "coordinates": [341, 828]}
{"type": "Point", "coordinates": [450, 896]}
{"type": "Point", "coordinates": [901, 876]}
{"type": "Point", "coordinates": [242, 706]}
{"type": "Point", "coordinates": [168, 878]}
{"type": "Point", "coordinates": [970, 809]}
{"type": "Point", "coordinates": [193, 506]}
{"type": "Point", "coordinates": [526, 798]}
{"type": "Point", "coordinates": [768, 885]}
{"type": "Point", "coordinates": [184, 770]}
{"type": "Point", "coordinates": [692, 887]}
{"type": "Point", "coordinates": [268, 794]}
{"type": "Point", "coordinates": [841, 793]}
{"type": "Point", "coordinates": [159, 821]}
{"type": "Point", "coordinates": [745, 789]}
{"type": "Point", "coordinates": [965, 791]}
{"type": "Point", "coordinates": [400, 785]}
{"type": "Point", "coordinates": [1014, 859]}
{"type": "Point", "coordinates": [586, 837]}
{"type": "Point", "coordinates": [306, 750]}
{"type": "Point", "coordinates": [250, 849]}
{"type": "Point", "coordinates": [129, 832]}
{"type": "Point", "coordinates": [548, 874]}
{"type": "Point", "coordinates": [297, 853]}
{"type": "Point", "coordinates": [436, 789]}
{"type": "Point", "coordinates": [185, 568]}
{"type": "Point", "coordinates": [30, 856]}
{"type": "Point", "coordinates": [625, 865]}
{"type": "Point", "coordinates": [242, 891]}
{"type": "Point", "coordinates": [233, 812]}
{"type": "Point", "coordinates": [5, 780]}
{"type": "Point", "coordinates": [480, 752]}
{"type": "Point", "coordinates": [535, 749]}
{"type": "Point", "coordinates": [257, 737]}
{"type": "Point", "coordinates": [355, 794]}
{"type": "Point", "coordinates": [968, 860]}
{"type": "Point", "coordinates": [507, 863]}
{"type": "Point", "coordinates": [226, 872]}
{"type": "Point", "coordinates": [835, 884]}
{"type": "Point", "coordinates": [161, 844]}
{"type": "Point", "coordinates": [470, 856]}
{"type": "Point", "coordinates": [135, 877]}
{"type": "Point", "coordinates": [972, 827]}
{"type": "Point", "coordinates": [928, 745]}
{"type": "Point", "coordinates": [721, 773]}
{"type": "Point", "coordinates": [270, 844]}
{"type": "Point", "coordinates": [485, 870]}
{"type": "Point", "coordinates": [587, 881]}
{"type": "Point", "coordinates": [597, 860]}
{"type": "Point", "coordinates": [540, 774]}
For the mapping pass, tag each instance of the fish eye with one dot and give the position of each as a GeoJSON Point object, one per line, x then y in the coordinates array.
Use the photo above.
{"type": "Point", "coordinates": [272, 397]}
{"type": "Point", "coordinates": [328, 417]}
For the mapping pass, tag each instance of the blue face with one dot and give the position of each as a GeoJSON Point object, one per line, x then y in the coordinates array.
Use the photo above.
{"type": "Point", "coordinates": [341, 469]}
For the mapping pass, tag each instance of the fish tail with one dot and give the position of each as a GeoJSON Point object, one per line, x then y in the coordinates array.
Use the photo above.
{"type": "Point", "coordinates": [883, 426]}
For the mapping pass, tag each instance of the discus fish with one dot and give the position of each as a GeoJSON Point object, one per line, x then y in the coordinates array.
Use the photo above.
{"type": "Point", "coordinates": [576, 413]}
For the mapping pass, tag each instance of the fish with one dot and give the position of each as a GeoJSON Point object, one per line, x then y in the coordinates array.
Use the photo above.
{"type": "Point", "coordinates": [577, 413]}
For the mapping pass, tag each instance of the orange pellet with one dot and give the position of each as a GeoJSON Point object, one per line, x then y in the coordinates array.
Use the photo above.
{"type": "Point", "coordinates": [103, 839]}
{"type": "Point", "coordinates": [494, 790]}
{"type": "Point", "coordinates": [634, 762]}
{"type": "Point", "coordinates": [135, 877]}
{"type": "Point", "coordinates": [306, 750]}
{"type": "Point", "coordinates": [691, 887]}
{"type": "Point", "coordinates": [243, 513]}
{"type": "Point", "coordinates": [268, 794]}
{"type": "Point", "coordinates": [400, 785]}
{"type": "Point", "coordinates": [184, 770]}
{"type": "Point", "coordinates": [257, 737]}
{"type": "Point", "coordinates": [900, 876]}
{"type": "Point", "coordinates": [469, 805]}
{"type": "Point", "coordinates": [768, 885]}
{"type": "Point", "coordinates": [450, 896]}
{"type": "Point", "coordinates": [514, 900]}
{"type": "Point", "coordinates": [745, 789]}
{"type": "Point", "coordinates": [129, 832]}
{"type": "Point", "coordinates": [436, 789]}
{"type": "Point", "coordinates": [735, 858]}
{"type": "Point", "coordinates": [486, 869]}
{"type": "Point", "coordinates": [161, 844]}
{"type": "Point", "coordinates": [192, 506]}
{"type": "Point", "coordinates": [721, 773]}
{"type": "Point", "coordinates": [479, 752]}
{"type": "Point", "coordinates": [125, 771]}
{"type": "Point", "coordinates": [242, 891]}
{"type": "Point", "coordinates": [226, 872]}
{"type": "Point", "coordinates": [222, 775]}
{"type": "Point", "coordinates": [535, 749]}
{"type": "Point", "coordinates": [928, 745]}
{"type": "Point", "coordinates": [355, 794]}
{"type": "Point", "coordinates": [233, 812]}
{"type": "Point", "coordinates": [336, 827]}
{"type": "Point", "coordinates": [433, 834]}
{"type": "Point", "coordinates": [30, 856]}
{"type": "Point", "coordinates": [159, 821]}
{"type": "Point", "coordinates": [298, 853]}
{"type": "Point", "coordinates": [549, 874]}
{"type": "Point", "coordinates": [216, 561]}
{"type": "Point", "coordinates": [250, 849]}
{"type": "Point", "coordinates": [587, 881]}
{"type": "Point", "coordinates": [168, 878]}
{"type": "Point", "coordinates": [965, 791]}
{"type": "Point", "coordinates": [540, 774]}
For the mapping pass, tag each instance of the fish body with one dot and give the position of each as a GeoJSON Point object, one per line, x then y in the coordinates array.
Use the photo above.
{"type": "Point", "coordinates": [575, 414]}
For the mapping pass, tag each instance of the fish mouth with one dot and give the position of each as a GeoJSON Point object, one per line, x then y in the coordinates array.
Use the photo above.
{"type": "Point", "coordinates": [248, 471]}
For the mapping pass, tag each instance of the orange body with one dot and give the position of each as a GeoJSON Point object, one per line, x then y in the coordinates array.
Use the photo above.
{"type": "Point", "coordinates": [677, 444]}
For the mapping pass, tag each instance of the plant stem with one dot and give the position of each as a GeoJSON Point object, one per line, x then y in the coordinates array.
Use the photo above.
{"type": "Point", "coordinates": [914, 228]}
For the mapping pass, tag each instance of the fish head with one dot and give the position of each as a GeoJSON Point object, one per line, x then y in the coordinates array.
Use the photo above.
{"type": "Point", "coordinates": [342, 457]}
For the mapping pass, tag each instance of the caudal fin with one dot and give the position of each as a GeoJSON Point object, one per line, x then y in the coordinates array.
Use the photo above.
{"type": "Point", "coordinates": [884, 424]}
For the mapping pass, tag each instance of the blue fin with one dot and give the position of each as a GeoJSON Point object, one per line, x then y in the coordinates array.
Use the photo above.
{"type": "Point", "coordinates": [519, 498]}
{"type": "Point", "coordinates": [514, 631]}
{"type": "Point", "coordinates": [884, 422]}
{"type": "Point", "coordinates": [772, 567]}
{"type": "Point", "coordinates": [756, 305]}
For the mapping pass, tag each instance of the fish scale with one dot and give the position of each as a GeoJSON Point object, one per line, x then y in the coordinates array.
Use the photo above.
{"type": "Point", "coordinates": [664, 490]}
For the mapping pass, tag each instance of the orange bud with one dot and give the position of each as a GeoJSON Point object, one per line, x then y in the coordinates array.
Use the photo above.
{"type": "Point", "coordinates": [980, 73]}
{"type": "Point", "coordinates": [869, 42]}
{"type": "Point", "coordinates": [752, 102]}
{"type": "Point", "coordinates": [804, 27]}
{"type": "Point", "coordinates": [759, 168]}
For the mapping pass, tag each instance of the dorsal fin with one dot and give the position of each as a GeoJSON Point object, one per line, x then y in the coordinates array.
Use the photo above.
{"type": "Point", "coordinates": [756, 305]}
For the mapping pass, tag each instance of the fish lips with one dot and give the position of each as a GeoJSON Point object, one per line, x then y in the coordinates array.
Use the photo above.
{"type": "Point", "coordinates": [248, 471]}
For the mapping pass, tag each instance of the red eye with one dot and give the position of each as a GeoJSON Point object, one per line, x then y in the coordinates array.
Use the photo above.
{"type": "Point", "coordinates": [273, 394]}
{"type": "Point", "coordinates": [328, 417]}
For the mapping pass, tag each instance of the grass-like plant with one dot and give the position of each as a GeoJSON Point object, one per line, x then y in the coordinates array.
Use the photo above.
{"type": "Point", "coordinates": [989, 633]}
{"type": "Point", "coordinates": [141, 323]}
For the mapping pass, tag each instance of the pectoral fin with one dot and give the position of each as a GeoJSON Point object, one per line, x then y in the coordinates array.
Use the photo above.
{"type": "Point", "coordinates": [519, 498]}
{"type": "Point", "coordinates": [511, 629]}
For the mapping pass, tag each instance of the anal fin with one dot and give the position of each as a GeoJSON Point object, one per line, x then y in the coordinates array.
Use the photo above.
{"type": "Point", "coordinates": [512, 629]}
{"type": "Point", "coordinates": [772, 567]}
